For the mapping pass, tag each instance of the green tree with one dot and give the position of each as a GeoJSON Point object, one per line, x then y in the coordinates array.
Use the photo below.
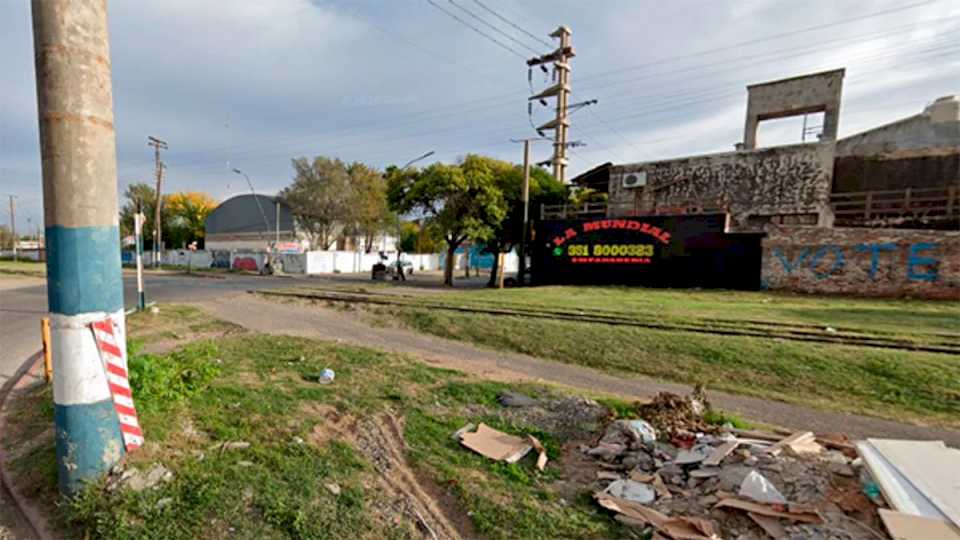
{"type": "Point", "coordinates": [415, 238]}
{"type": "Point", "coordinates": [460, 201]}
{"type": "Point", "coordinates": [544, 189]}
{"type": "Point", "coordinates": [187, 219]}
{"type": "Point", "coordinates": [144, 195]}
{"type": "Point", "coordinates": [320, 198]}
{"type": "Point", "coordinates": [367, 210]}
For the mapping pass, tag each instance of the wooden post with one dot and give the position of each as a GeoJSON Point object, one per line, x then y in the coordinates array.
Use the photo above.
{"type": "Point", "coordinates": [47, 353]}
{"type": "Point", "coordinates": [500, 258]}
{"type": "Point", "coordinates": [868, 206]}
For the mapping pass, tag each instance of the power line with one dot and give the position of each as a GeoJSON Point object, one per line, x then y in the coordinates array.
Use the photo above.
{"type": "Point", "coordinates": [477, 30]}
{"type": "Point", "coordinates": [494, 28]}
{"type": "Point", "coordinates": [504, 19]}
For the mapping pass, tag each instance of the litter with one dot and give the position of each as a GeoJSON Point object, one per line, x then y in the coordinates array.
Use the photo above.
{"type": "Point", "coordinates": [515, 399]}
{"type": "Point", "coordinates": [756, 487]}
{"type": "Point", "coordinates": [326, 376]}
{"type": "Point", "coordinates": [631, 491]}
{"type": "Point", "coordinates": [803, 442]}
{"type": "Point", "coordinates": [722, 451]}
{"type": "Point", "coordinates": [920, 478]}
{"type": "Point", "coordinates": [496, 445]}
{"type": "Point", "coordinates": [906, 527]}
{"type": "Point", "coordinates": [770, 525]}
{"type": "Point", "coordinates": [541, 452]}
{"type": "Point", "coordinates": [802, 515]}
{"type": "Point", "coordinates": [679, 528]}
{"type": "Point", "coordinates": [629, 432]}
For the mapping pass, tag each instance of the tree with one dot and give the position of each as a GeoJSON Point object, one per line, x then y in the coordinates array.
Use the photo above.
{"type": "Point", "coordinates": [319, 198]}
{"type": "Point", "coordinates": [182, 215]}
{"type": "Point", "coordinates": [368, 209]}
{"type": "Point", "coordinates": [6, 237]}
{"type": "Point", "coordinates": [544, 189]}
{"type": "Point", "coordinates": [415, 238]}
{"type": "Point", "coordinates": [187, 219]}
{"type": "Point", "coordinates": [460, 201]}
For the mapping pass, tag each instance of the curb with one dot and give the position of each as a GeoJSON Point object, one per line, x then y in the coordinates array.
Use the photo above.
{"type": "Point", "coordinates": [41, 528]}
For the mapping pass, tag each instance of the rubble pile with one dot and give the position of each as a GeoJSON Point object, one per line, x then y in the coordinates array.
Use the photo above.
{"type": "Point", "coordinates": [681, 478]}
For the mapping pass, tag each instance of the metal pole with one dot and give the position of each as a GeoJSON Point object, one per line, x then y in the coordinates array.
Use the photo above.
{"type": "Point", "coordinates": [522, 266]}
{"type": "Point", "coordinates": [13, 227]}
{"type": "Point", "coordinates": [78, 155]}
{"type": "Point", "coordinates": [138, 221]}
{"type": "Point", "coordinates": [277, 246]}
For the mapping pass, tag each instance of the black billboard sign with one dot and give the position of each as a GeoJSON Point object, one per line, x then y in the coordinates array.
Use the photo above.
{"type": "Point", "coordinates": [667, 251]}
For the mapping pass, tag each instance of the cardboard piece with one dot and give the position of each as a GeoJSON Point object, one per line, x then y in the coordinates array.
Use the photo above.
{"type": "Point", "coordinates": [770, 525]}
{"type": "Point", "coordinates": [678, 528]}
{"type": "Point", "coordinates": [906, 527]}
{"type": "Point", "coordinates": [897, 489]}
{"type": "Point", "coordinates": [794, 513]}
{"type": "Point", "coordinates": [541, 452]}
{"type": "Point", "coordinates": [496, 445]}
{"type": "Point", "coordinates": [720, 452]}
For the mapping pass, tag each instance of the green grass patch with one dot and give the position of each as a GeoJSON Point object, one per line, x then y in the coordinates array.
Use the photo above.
{"type": "Point", "coordinates": [303, 437]}
{"type": "Point", "coordinates": [902, 385]}
{"type": "Point", "coordinates": [23, 268]}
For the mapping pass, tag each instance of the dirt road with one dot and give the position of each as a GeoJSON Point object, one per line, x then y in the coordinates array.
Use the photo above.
{"type": "Point", "coordinates": [312, 321]}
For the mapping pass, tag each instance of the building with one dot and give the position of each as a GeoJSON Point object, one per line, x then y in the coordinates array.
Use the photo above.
{"type": "Point", "coordinates": [875, 213]}
{"type": "Point", "coordinates": [249, 223]}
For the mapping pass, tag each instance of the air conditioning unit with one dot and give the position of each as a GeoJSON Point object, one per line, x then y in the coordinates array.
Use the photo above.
{"type": "Point", "coordinates": [635, 179]}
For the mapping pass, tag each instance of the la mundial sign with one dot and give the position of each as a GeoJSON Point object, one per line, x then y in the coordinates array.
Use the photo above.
{"type": "Point", "coordinates": [655, 251]}
{"type": "Point", "coordinates": [588, 243]}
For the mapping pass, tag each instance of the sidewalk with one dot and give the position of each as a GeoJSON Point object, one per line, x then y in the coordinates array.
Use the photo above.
{"type": "Point", "coordinates": [317, 322]}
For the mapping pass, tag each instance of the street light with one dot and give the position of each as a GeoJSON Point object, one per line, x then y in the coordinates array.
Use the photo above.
{"type": "Point", "coordinates": [399, 222]}
{"type": "Point", "coordinates": [256, 199]}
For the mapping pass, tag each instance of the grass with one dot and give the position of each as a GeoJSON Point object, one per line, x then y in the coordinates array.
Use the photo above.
{"type": "Point", "coordinates": [23, 268]}
{"type": "Point", "coordinates": [908, 386]}
{"type": "Point", "coordinates": [304, 436]}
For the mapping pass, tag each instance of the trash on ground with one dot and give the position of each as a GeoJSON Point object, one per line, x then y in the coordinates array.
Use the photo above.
{"type": "Point", "coordinates": [676, 414]}
{"type": "Point", "coordinates": [756, 487]}
{"type": "Point", "coordinates": [920, 478]}
{"type": "Point", "coordinates": [496, 445]}
{"type": "Point", "coordinates": [515, 399]}
{"type": "Point", "coordinates": [541, 452]}
{"type": "Point", "coordinates": [458, 434]}
{"type": "Point", "coordinates": [630, 432]}
{"type": "Point", "coordinates": [326, 376]}
{"type": "Point", "coordinates": [907, 527]}
{"type": "Point", "coordinates": [230, 445]}
{"type": "Point", "coordinates": [791, 512]}
{"type": "Point", "coordinates": [803, 442]}
{"type": "Point", "coordinates": [679, 528]}
{"type": "Point", "coordinates": [632, 491]}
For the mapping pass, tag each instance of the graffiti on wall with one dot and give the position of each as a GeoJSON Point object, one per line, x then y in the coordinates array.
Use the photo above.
{"type": "Point", "coordinates": [221, 258]}
{"type": "Point", "coordinates": [245, 263]}
{"type": "Point", "coordinates": [823, 262]}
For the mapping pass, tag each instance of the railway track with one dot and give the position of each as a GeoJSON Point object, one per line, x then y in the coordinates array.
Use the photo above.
{"type": "Point", "coordinates": [761, 329]}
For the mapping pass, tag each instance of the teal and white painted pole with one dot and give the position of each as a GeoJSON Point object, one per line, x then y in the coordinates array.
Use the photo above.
{"type": "Point", "coordinates": [78, 152]}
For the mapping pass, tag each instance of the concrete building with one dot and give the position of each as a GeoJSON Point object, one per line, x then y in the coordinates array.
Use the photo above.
{"type": "Point", "coordinates": [875, 213]}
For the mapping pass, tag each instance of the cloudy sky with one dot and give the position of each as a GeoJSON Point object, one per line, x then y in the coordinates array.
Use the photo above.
{"type": "Point", "coordinates": [253, 83]}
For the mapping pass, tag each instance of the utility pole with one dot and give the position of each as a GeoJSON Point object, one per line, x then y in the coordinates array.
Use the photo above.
{"type": "Point", "coordinates": [525, 231]}
{"type": "Point", "coordinates": [138, 221]}
{"type": "Point", "coordinates": [84, 285]}
{"type": "Point", "coordinates": [13, 225]}
{"type": "Point", "coordinates": [157, 145]}
{"type": "Point", "coordinates": [560, 90]}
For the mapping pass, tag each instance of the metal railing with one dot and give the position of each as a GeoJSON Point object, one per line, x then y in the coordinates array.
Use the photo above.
{"type": "Point", "coordinates": [892, 206]}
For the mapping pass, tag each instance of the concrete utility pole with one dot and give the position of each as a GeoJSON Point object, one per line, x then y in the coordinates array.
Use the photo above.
{"type": "Point", "coordinates": [13, 225]}
{"type": "Point", "coordinates": [525, 231]}
{"type": "Point", "coordinates": [157, 145]}
{"type": "Point", "coordinates": [78, 153]}
{"type": "Point", "coordinates": [560, 90]}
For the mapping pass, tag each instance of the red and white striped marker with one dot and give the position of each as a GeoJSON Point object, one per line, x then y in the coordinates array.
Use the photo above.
{"type": "Point", "coordinates": [115, 366]}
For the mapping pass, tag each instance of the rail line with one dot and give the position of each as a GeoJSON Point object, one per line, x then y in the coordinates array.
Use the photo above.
{"type": "Point", "coordinates": [716, 326]}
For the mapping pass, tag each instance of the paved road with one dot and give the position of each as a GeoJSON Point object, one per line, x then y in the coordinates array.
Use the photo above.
{"type": "Point", "coordinates": [23, 301]}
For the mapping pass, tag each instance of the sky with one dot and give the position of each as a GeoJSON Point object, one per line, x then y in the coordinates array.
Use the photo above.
{"type": "Point", "coordinates": [251, 84]}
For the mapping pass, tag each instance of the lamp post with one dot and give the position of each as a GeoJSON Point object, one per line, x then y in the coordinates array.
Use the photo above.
{"type": "Point", "coordinates": [256, 199]}
{"type": "Point", "coordinates": [399, 221]}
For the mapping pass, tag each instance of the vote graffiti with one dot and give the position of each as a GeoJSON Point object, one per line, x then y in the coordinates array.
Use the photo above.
{"type": "Point", "coordinates": [829, 260]}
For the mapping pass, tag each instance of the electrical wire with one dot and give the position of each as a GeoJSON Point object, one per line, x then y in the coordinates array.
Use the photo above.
{"type": "Point", "coordinates": [494, 28]}
{"type": "Point", "coordinates": [511, 23]}
{"type": "Point", "coordinates": [477, 30]}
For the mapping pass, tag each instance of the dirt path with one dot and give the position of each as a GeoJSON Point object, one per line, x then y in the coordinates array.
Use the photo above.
{"type": "Point", "coordinates": [312, 321]}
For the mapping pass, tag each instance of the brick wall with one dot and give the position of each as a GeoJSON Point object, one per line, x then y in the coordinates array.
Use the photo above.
{"type": "Point", "coordinates": [862, 261]}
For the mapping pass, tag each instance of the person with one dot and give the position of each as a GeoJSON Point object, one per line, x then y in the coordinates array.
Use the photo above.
{"type": "Point", "coordinates": [400, 275]}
